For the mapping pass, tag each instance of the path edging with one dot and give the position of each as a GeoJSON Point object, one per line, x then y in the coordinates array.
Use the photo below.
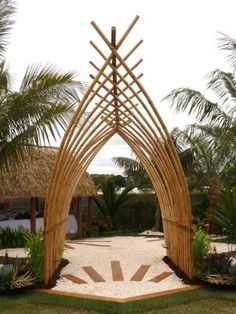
{"type": "Point", "coordinates": [120, 300]}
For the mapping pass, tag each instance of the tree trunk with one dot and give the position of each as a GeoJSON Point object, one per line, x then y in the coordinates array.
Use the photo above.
{"type": "Point", "coordinates": [79, 217]}
{"type": "Point", "coordinates": [109, 223]}
{"type": "Point", "coordinates": [157, 220]}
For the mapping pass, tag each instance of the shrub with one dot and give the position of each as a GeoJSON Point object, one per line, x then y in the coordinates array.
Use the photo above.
{"type": "Point", "coordinates": [137, 213]}
{"type": "Point", "coordinates": [225, 215]}
{"type": "Point", "coordinates": [201, 248]}
{"type": "Point", "coordinates": [6, 275]}
{"type": "Point", "coordinates": [218, 269]}
{"type": "Point", "coordinates": [214, 268]}
{"type": "Point", "coordinates": [11, 238]}
{"type": "Point", "coordinates": [15, 276]}
{"type": "Point", "coordinates": [35, 258]}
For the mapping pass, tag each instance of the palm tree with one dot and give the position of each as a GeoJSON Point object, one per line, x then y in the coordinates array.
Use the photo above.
{"type": "Point", "coordinates": [111, 200]}
{"type": "Point", "coordinates": [134, 171]}
{"type": "Point", "coordinates": [225, 215]}
{"type": "Point", "coordinates": [42, 107]}
{"type": "Point", "coordinates": [220, 115]}
{"type": "Point", "coordinates": [215, 130]}
{"type": "Point", "coordinates": [39, 111]}
{"type": "Point", "coordinates": [202, 163]}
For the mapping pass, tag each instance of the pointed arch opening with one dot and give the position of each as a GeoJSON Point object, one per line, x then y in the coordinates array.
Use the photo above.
{"type": "Point", "coordinates": [116, 102]}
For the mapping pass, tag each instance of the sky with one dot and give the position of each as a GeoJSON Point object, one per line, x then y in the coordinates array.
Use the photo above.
{"type": "Point", "coordinates": [179, 49]}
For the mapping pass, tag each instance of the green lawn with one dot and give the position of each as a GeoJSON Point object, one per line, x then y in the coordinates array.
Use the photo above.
{"type": "Point", "coordinates": [195, 302]}
{"type": "Point", "coordinates": [206, 306]}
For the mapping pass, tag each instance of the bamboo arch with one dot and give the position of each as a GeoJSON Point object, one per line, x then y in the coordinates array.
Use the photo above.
{"type": "Point", "coordinates": [117, 102]}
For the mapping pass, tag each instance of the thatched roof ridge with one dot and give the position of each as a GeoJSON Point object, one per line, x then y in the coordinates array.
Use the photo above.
{"type": "Point", "coordinates": [31, 178]}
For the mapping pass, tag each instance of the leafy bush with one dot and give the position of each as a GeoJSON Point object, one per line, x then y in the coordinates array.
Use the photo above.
{"type": "Point", "coordinates": [6, 275]}
{"type": "Point", "coordinates": [12, 238]}
{"type": "Point", "coordinates": [35, 258]}
{"type": "Point", "coordinates": [200, 205]}
{"type": "Point", "coordinates": [138, 213]}
{"type": "Point", "coordinates": [214, 268]}
{"type": "Point", "coordinates": [15, 276]}
{"type": "Point", "coordinates": [225, 215]}
{"type": "Point", "coordinates": [218, 269]}
{"type": "Point", "coordinates": [201, 248]}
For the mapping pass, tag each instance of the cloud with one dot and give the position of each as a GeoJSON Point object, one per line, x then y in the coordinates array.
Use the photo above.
{"type": "Point", "coordinates": [103, 161]}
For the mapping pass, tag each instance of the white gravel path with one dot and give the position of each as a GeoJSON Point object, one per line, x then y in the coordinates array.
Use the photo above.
{"type": "Point", "coordinates": [222, 247]}
{"type": "Point", "coordinates": [132, 252]}
{"type": "Point", "coordinates": [19, 252]}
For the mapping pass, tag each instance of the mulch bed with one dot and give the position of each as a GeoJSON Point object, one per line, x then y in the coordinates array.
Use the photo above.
{"type": "Point", "coordinates": [55, 277]}
{"type": "Point", "coordinates": [178, 271]}
{"type": "Point", "coordinates": [194, 281]}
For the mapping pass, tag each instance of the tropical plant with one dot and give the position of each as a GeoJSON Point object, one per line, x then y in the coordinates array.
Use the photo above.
{"type": "Point", "coordinates": [42, 107]}
{"type": "Point", "coordinates": [7, 10]}
{"type": "Point", "coordinates": [218, 279]}
{"type": "Point", "coordinates": [12, 238]}
{"type": "Point", "coordinates": [216, 120]}
{"type": "Point", "coordinates": [225, 214]}
{"type": "Point", "coordinates": [112, 201]}
{"type": "Point", "coordinates": [201, 248]}
{"type": "Point", "coordinates": [6, 275]}
{"type": "Point", "coordinates": [205, 165]}
{"type": "Point", "coordinates": [218, 269]}
{"type": "Point", "coordinates": [137, 174]}
{"type": "Point", "coordinates": [35, 257]}
{"type": "Point", "coordinates": [15, 276]}
{"type": "Point", "coordinates": [214, 268]}
{"type": "Point", "coordinates": [22, 280]}
{"type": "Point", "coordinates": [134, 171]}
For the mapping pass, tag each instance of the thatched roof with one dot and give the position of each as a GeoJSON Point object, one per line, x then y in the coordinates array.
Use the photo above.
{"type": "Point", "coordinates": [31, 178]}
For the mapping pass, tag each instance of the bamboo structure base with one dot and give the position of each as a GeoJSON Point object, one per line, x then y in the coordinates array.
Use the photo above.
{"type": "Point", "coordinates": [116, 102]}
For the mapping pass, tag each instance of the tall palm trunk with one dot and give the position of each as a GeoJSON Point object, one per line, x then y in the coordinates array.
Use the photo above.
{"type": "Point", "coordinates": [157, 220]}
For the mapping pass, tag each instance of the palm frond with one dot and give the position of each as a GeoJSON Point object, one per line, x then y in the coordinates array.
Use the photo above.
{"type": "Point", "coordinates": [101, 207]}
{"type": "Point", "coordinates": [122, 198]}
{"type": "Point", "coordinates": [5, 78]}
{"type": "Point", "coordinates": [193, 102]}
{"type": "Point", "coordinates": [42, 82]}
{"type": "Point", "coordinates": [129, 165]}
{"type": "Point", "coordinates": [223, 84]}
{"type": "Point", "coordinates": [40, 112]}
{"type": "Point", "coordinates": [7, 11]}
{"type": "Point", "coordinates": [229, 44]}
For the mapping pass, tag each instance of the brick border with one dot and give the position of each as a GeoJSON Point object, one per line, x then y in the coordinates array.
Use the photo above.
{"type": "Point", "coordinates": [120, 300]}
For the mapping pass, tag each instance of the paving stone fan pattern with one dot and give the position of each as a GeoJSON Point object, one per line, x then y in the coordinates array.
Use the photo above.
{"type": "Point", "coordinates": [117, 274]}
{"type": "Point", "coordinates": [116, 267]}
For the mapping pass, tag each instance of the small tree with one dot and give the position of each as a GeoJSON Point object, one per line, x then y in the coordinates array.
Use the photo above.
{"type": "Point", "coordinates": [112, 201]}
{"type": "Point", "coordinates": [225, 214]}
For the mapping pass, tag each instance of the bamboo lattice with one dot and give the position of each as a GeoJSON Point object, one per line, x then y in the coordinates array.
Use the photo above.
{"type": "Point", "coordinates": [116, 102]}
